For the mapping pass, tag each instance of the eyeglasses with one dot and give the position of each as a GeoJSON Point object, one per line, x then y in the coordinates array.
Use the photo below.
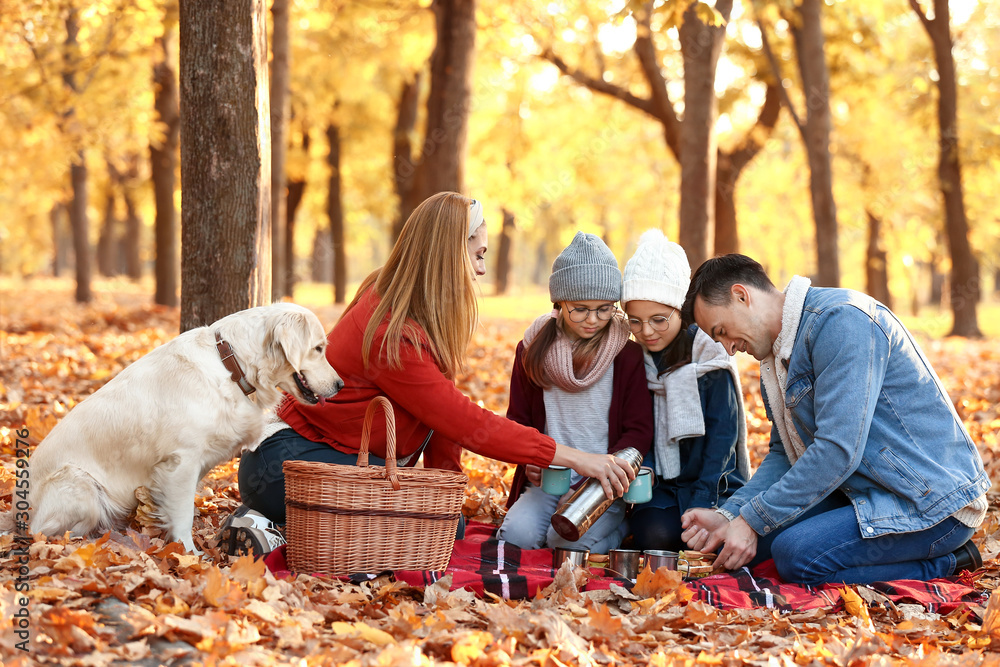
{"type": "Point", "coordinates": [656, 323]}
{"type": "Point", "coordinates": [604, 312]}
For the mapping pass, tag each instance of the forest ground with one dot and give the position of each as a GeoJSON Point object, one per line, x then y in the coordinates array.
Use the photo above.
{"type": "Point", "coordinates": [130, 598]}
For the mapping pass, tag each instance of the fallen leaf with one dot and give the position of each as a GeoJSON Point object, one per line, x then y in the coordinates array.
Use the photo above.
{"type": "Point", "coordinates": [469, 647]}
{"type": "Point", "coordinates": [364, 631]}
{"type": "Point", "coordinates": [601, 620]}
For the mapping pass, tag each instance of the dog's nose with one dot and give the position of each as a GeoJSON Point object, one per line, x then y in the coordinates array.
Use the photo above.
{"type": "Point", "coordinates": [338, 385]}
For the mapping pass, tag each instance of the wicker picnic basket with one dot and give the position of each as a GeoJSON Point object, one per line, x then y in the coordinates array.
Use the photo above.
{"type": "Point", "coordinates": [344, 519]}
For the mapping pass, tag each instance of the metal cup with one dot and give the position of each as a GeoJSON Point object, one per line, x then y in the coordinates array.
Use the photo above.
{"type": "Point", "coordinates": [623, 563]}
{"type": "Point", "coordinates": [656, 559]}
{"type": "Point", "coordinates": [640, 489]}
{"type": "Point", "coordinates": [578, 557]}
{"type": "Point", "coordinates": [556, 479]}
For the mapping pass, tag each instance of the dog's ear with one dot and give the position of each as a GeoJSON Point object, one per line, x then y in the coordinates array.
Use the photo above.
{"type": "Point", "coordinates": [289, 340]}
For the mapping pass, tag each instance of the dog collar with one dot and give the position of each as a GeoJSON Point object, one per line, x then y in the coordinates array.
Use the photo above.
{"type": "Point", "coordinates": [232, 365]}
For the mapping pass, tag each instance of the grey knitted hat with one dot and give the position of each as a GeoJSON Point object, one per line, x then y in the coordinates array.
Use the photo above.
{"type": "Point", "coordinates": [586, 270]}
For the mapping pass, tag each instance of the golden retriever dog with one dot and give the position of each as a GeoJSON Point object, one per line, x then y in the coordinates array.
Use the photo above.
{"type": "Point", "coordinates": [173, 415]}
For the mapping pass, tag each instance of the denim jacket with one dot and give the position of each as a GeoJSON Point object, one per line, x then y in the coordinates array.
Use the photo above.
{"type": "Point", "coordinates": [876, 422]}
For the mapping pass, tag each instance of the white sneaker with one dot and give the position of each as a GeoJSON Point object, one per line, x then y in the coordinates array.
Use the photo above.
{"type": "Point", "coordinates": [247, 531]}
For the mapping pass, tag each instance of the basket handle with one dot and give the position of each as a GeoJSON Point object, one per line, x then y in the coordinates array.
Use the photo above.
{"type": "Point", "coordinates": [390, 438]}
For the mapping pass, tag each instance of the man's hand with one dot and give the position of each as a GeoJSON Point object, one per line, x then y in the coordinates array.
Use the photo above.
{"type": "Point", "coordinates": [741, 545]}
{"type": "Point", "coordinates": [704, 529]}
{"type": "Point", "coordinates": [534, 474]}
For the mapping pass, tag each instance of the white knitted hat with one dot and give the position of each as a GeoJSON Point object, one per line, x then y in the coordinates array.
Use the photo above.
{"type": "Point", "coordinates": [658, 271]}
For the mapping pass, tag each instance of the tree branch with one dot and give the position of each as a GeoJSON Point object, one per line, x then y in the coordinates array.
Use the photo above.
{"type": "Point", "coordinates": [39, 61]}
{"type": "Point", "coordinates": [928, 24]}
{"type": "Point", "coordinates": [756, 136]}
{"type": "Point", "coordinates": [776, 70]}
{"type": "Point", "coordinates": [104, 51]}
{"type": "Point", "coordinates": [664, 108]}
{"type": "Point", "coordinates": [600, 85]}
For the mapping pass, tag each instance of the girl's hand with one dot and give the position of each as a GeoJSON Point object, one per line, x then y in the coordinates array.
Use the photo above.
{"type": "Point", "coordinates": [534, 474]}
{"type": "Point", "coordinates": [613, 473]}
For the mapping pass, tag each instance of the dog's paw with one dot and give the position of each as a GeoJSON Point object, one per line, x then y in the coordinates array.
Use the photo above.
{"type": "Point", "coordinates": [190, 548]}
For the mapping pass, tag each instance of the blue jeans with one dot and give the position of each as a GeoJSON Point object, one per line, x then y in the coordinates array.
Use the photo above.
{"type": "Point", "coordinates": [262, 479]}
{"type": "Point", "coordinates": [527, 524]}
{"type": "Point", "coordinates": [828, 548]}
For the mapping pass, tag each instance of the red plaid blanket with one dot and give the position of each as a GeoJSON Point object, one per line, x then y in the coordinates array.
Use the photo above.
{"type": "Point", "coordinates": [481, 564]}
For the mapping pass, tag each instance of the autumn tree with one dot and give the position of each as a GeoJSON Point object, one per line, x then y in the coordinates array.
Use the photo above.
{"type": "Point", "coordinates": [225, 160]}
{"type": "Point", "coordinates": [77, 204]}
{"type": "Point", "coordinates": [440, 165]}
{"type": "Point", "coordinates": [280, 104]}
{"type": "Point", "coordinates": [964, 266]}
{"type": "Point", "coordinates": [702, 35]}
{"type": "Point", "coordinates": [691, 136]}
{"type": "Point", "coordinates": [163, 148]}
{"type": "Point", "coordinates": [805, 26]}
{"type": "Point", "coordinates": [296, 187]}
{"type": "Point", "coordinates": [335, 211]}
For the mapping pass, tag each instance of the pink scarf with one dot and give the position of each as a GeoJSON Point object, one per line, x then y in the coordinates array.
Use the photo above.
{"type": "Point", "coordinates": [559, 360]}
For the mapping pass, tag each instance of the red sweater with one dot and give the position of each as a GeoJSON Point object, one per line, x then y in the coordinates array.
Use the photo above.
{"type": "Point", "coordinates": [630, 418]}
{"type": "Point", "coordinates": [422, 399]}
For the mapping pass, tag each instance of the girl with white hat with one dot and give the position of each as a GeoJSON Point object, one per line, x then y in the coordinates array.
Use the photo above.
{"type": "Point", "coordinates": [578, 378]}
{"type": "Point", "coordinates": [699, 450]}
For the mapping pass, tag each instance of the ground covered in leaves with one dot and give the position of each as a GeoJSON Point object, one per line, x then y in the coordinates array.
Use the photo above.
{"type": "Point", "coordinates": [131, 599]}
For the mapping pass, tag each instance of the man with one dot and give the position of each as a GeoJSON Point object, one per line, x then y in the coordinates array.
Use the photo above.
{"type": "Point", "coordinates": [870, 475]}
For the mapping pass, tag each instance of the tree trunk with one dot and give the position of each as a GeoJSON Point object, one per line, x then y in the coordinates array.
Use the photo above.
{"type": "Point", "coordinates": [296, 190]}
{"type": "Point", "coordinates": [322, 257]}
{"type": "Point", "coordinates": [133, 233]}
{"type": "Point", "coordinates": [443, 154]}
{"type": "Point", "coordinates": [225, 160]}
{"type": "Point", "coordinates": [727, 237]}
{"type": "Point", "coordinates": [124, 255]}
{"type": "Point", "coordinates": [937, 279]}
{"type": "Point", "coordinates": [335, 211]}
{"type": "Point", "coordinates": [543, 264]}
{"type": "Point", "coordinates": [964, 290]}
{"type": "Point", "coordinates": [810, 51]}
{"type": "Point", "coordinates": [81, 228]}
{"type": "Point", "coordinates": [163, 170]}
{"type": "Point", "coordinates": [701, 46]}
{"type": "Point", "coordinates": [107, 240]}
{"type": "Point", "coordinates": [280, 108]}
{"type": "Point", "coordinates": [503, 254]}
{"type": "Point", "coordinates": [79, 223]}
{"type": "Point", "coordinates": [442, 158]}
{"type": "Point", "coordinates": [876, 262]}
{"type": "Point", "coordinates": [731, 164]}
{"type": "Point", "coordinates": [60, 244]}
{"type": "Point", "coordinates": [404, 169]}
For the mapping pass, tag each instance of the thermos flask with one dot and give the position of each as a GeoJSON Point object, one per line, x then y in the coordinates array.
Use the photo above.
{"type": "Point", "coordinates": [586, 505]}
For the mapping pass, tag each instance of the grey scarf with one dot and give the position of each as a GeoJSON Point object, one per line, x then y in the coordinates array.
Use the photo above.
{"type": "Point", "coordinates": [677, 410]}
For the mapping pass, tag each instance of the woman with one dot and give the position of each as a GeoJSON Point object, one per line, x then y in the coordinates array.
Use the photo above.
{"type": "Point", "coordinates": [699, 450]}
{"type": "Point", "coordinates": [580, 379]}
{"type": "Point", "coordinates": [404, 336]}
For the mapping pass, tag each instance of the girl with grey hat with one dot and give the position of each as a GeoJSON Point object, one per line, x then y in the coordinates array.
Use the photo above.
{"type": "Point", "coordinates": [577, 378]}
{"type": "Point", "coordinates": [699, 449]}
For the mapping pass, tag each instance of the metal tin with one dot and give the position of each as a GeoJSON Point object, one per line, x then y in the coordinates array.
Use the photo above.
{"type": "Point", "coordinates": [578, 513]}
{"type": "Point", "coordinates": [657, 559]}
{"type": "Point", "coordinates": [577, 557]}
{"type": "Point", "coordinates": [624, 563]}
